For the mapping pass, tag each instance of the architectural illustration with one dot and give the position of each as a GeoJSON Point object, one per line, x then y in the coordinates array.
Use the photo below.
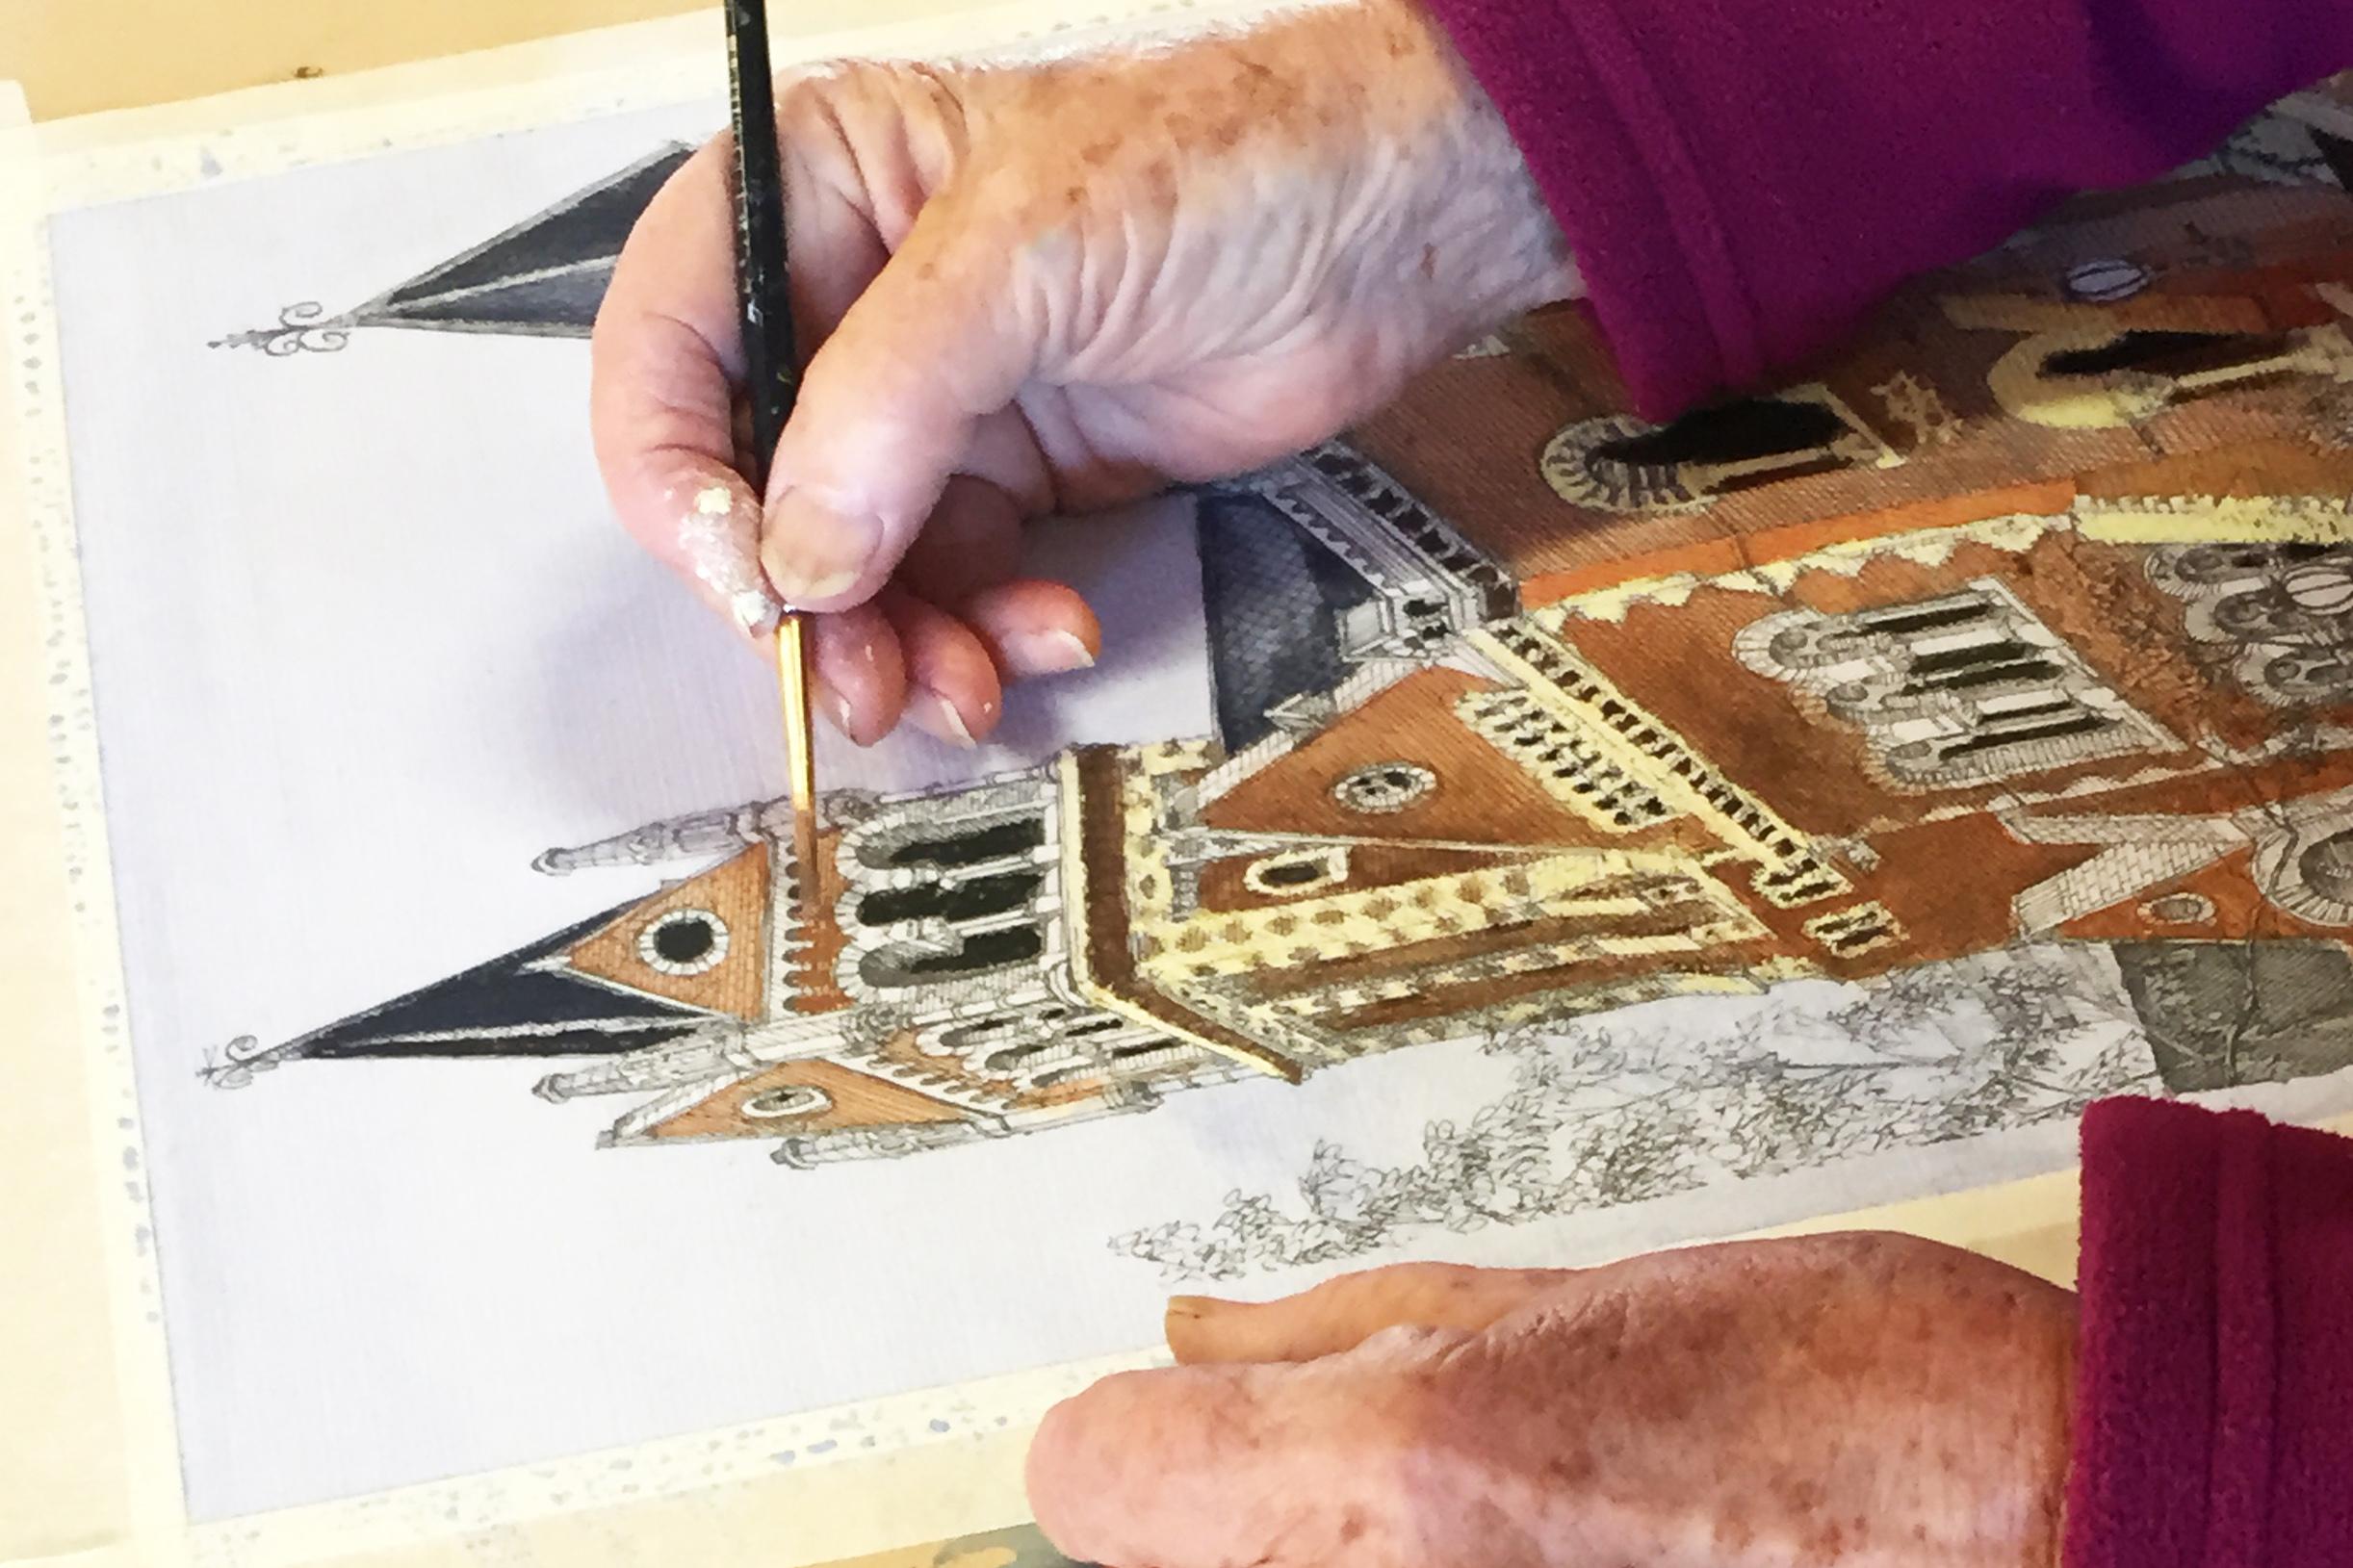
{"type": "Point", "coordinates": [541, 278]}
{"type": "Point", "coordinates": [2028, 620]}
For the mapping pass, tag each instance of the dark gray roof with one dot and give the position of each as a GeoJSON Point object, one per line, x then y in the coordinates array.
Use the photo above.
{"type": "Point", "coordinates": [1274, 599]}
{"type": "Point", "coordinates": [543, 277]}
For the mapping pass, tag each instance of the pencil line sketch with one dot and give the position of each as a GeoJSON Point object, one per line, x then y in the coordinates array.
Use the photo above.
{"type": "Point", "coordinates": [2001, 671]}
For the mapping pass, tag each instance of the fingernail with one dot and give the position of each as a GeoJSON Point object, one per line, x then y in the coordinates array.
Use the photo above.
{"type": "Point", "coordinates": [1195, 1307]}
{"type": "Point", "coordinates": [815, 552]}
{"type": "Point", "coordinates": [756, 611]}
{"type": "Point", "coordinates": [951, 723]}
{"type": "Point", "coordinates": [1048, 652]}
{"type": "Point", "coordinates": [801, 593]}
{"type": "Point", "coordinates": [837, 708]}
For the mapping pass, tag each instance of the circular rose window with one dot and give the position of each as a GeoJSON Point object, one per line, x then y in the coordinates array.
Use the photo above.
{"type": "Point", "coordinates": [789, 1103]}
{"type": "Point", "coordinates": [684, 943]}
{"type": "Point", "coordinates": [1386, 788]}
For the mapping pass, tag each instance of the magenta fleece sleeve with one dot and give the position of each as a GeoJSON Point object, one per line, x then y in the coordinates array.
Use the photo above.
{"type": "Point", "coordinates": [1740, 180]}
{"type": "Point", "coordinates": [2214, 1392]}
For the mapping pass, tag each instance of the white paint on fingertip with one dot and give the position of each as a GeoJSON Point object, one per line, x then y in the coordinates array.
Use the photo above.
{"type": "Point", "coordinates": [756, 611]}
{"type": "Point", "coordinates": [718, 542]}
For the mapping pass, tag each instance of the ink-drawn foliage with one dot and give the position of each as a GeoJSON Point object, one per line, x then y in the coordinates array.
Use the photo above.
{"type": "Point", "coordinates": [1609, 1112]}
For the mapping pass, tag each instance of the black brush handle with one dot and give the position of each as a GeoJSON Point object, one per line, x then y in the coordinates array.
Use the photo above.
{"type": "Point", "coordinates": [763, 289]}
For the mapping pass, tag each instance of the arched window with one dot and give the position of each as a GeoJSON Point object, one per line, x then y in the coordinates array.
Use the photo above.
{"type": "Point", "coordinates": [1954, 690]}
{"type": "Point", "coordinates": [901, 964]}
{"type": "Point", "coordinates": [1620, 464]}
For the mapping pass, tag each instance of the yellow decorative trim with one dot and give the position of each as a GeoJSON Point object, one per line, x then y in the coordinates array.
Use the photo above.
{"type": "Point", "coordinates": [1383, 920]}
{"type": "Point", "coordinates": [2184, 520]}
{"type": "Point", "coordinates": [2136, 520]}
{"type": "Point", "coordinates": [1152, 887]}
{"type": "Point", "coordinates": [1173, 757]}
{"type": "Point", "coordinates": [1912, 401]}
{"type": "Point", "coordinates": [2015, 532]}
{"type": "Point", "coordinates": [1517, 961]}
{"type": "Point", "coordinates": [1096, 993]}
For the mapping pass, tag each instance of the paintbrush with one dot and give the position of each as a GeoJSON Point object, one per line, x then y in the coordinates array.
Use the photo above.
{"type": "Point", "coordinates": [771, 375]}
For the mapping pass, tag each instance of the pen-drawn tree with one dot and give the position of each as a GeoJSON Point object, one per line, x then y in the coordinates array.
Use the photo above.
{"type": "Point", "coordinates": [1621, 1110]}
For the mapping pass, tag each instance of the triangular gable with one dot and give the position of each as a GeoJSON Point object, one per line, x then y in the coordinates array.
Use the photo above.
{"type": "Point", "coordinates": [703, 943]}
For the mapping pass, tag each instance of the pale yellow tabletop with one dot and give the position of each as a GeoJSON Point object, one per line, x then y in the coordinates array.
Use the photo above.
{"type": "Point", "coordinates": [76, 57]}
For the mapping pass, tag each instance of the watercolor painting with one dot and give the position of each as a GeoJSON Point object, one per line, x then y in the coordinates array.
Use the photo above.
{"type": "Point", "coordinates": [2016, 640]}
{"type": "Point", "coordinates": [1510, 832]}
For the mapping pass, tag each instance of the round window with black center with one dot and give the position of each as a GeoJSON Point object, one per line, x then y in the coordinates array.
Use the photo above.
{"type": "Point", "coordinates": [1386, 788]}
{"type": "Point", "coordinates": [684, 943]}
{"type": "Point", "coordinates": [791, 1103]}
{"type": "Point", "coordinates": [2326, 867]}
{"type": "Point", "coordinates": [1287, 875]}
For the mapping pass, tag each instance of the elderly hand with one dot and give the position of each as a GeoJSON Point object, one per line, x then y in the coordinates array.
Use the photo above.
{"type": "Point", "coordinates": [1839, 1399]}
{"type": "Point", "coordinates": [1051, 288]}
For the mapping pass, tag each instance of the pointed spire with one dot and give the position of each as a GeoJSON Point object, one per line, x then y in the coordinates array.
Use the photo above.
{"type": "Point", "coordinates": [522, 1003]}
{"type": "Point", "coordinates": [305, 328]}
{"type": "Point", "coordinates": [543, 277]}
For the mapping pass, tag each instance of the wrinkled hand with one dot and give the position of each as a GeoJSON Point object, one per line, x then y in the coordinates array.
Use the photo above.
{"type": "Point", "coordinates": [1848, 1400]}
{"type": "Point", "coordinates": [1050, 288]}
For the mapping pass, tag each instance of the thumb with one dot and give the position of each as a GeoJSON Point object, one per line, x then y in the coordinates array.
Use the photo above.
{"type": "Point", "coordinates": [887, 410]}
{"type": "Point", "coordinates": [1344, 1312]}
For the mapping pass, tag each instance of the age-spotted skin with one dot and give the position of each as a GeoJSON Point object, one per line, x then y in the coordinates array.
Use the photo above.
{"type": "Point", "coordinates": [1850, 1401]}
{"type": "Point", "coordinates": [1051, 287]}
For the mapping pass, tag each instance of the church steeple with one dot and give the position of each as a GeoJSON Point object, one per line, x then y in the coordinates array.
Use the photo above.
{"type": "Point", "coordinates": [544, 277]}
